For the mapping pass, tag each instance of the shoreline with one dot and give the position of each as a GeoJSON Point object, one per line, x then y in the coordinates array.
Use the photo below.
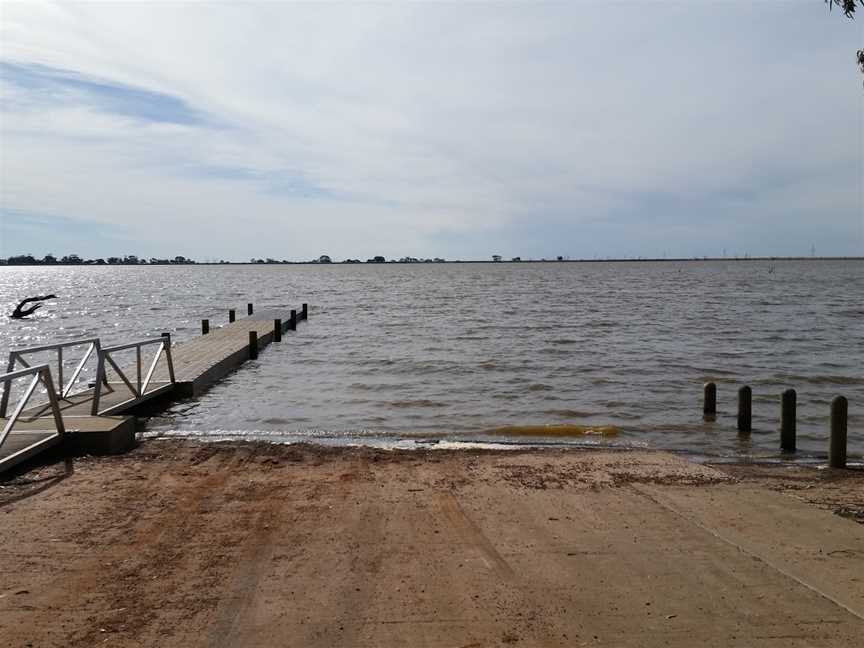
{"type": "Point", "coordinates": [444, 443]}
{"type": "Point", "coordinates": [222, 544]}
{"type": "Point", "coordinates": [432, 263]}
{"type": "Point", "coordinates": [762, 471]}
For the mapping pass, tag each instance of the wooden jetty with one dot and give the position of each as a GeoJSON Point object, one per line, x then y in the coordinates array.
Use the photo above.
{"type": "Point", "coordinates": [100, 418]}
{"type": "Point", "coordinates": [206, 359]}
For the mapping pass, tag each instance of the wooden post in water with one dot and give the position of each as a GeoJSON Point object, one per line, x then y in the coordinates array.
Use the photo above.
{"type": "Point", "coordinates": [839, 419]}
{"type": "Point", "coordinates": [304, 313]}
{"type": "Point", "coordinates": [253, 345]}
{"type": "Point", "coordinates": [709, 407]}
{"type": "Point", "coordinates": [232, 315]}
{"type": "Point", "coordinates": [205, 327]}
{"type": "Point", "coordinates": [745, 409]}
{"type": "Point", "coordinates": [249, 309]}
{"type": "Point", "coordinates": [292, 323]}
{"type": "Point", "coordinates": [277, 330]}
{"type": "Point", "coordinates": [788, 407]}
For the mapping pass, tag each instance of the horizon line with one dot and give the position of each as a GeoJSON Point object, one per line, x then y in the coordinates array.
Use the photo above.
{"type": "Point", "coordinates": [516, 260]}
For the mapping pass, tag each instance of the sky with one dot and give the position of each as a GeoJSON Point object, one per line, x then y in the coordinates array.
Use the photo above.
{"type": "Point", "coordinates": [582, 129]}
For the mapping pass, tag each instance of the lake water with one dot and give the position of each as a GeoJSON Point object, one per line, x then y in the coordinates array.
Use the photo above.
{"type": "Point", "coordinates": [395, 354]}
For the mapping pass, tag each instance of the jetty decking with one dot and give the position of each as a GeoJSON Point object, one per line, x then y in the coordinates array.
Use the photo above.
{"type": "Point", "coordinates": [206, 359]}
{"type": "Point", "coordinates": [108, 425]}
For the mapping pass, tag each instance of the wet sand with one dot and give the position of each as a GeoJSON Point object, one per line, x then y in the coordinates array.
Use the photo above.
{"type": "Point", "coordinates": [244, 544]}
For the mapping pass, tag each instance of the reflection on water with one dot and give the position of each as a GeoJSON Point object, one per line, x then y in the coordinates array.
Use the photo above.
{"type": "Point", "coordinates": [455, 351]}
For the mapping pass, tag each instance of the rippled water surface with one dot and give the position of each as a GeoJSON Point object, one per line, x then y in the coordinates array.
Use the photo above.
{"type": "Point", "coordinates": [409, 352]}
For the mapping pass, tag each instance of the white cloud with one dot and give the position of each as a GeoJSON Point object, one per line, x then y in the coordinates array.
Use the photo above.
{"type": "Point", "coordinates": [408, 122]}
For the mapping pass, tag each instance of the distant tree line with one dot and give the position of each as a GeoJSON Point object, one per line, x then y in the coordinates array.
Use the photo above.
{"type": "Point", "coordinates": [74, 259]}
{"type": "Point", "coordinates": [131, 259]}
{"type": "Point", "coordinates": [324, 258]}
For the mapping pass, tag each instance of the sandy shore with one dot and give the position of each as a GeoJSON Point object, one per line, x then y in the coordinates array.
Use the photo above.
{"type": "Point", "coordinates": [223, 545]}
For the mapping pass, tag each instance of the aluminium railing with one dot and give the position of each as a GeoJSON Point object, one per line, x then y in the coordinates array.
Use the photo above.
{"type": "Point", "coordinates": [41, 373]}
{"type": "Point", "coordinates": [142, 381]}
{"type": "Point", "coordinates": [63, 389]}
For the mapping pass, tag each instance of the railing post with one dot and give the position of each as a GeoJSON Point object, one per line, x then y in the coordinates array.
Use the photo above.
{"type": "Point", "coordinates": [97, 346]}
{"type": "Point", "coordinates": [60, 368]}
{"type": "Point", "coordinates": [205, 326]}
{"type": "Point", "coordinates": [249, 309]}
{"type": "Point", "coordinates": [253, 345]}
{"type": "Point", "coordinates": [709, 401]}
{"type": "Point", "coordinates": [100, 379]}
{"type": "Point", "coordinates": [7, 386]}
{"type": "Point", "coordinates": [138, 368]}
{"type": "Point", "coordinates": [292, 323]}
{"type": "Point", "coordinates": [232, 315]}
{"type": "Point", "coordinates": [304, 312]}
{"type": "Point", "coordinates": [277, 330]}
{"type": "Point", "coordinates": [788, 425]}
{"type": "Point", "coordinates": [52, 398]}
{"type": "Point", "coordinates": [168, 359]}
{"type": "Point", "coordinates": [745, 409]}
{"type": "Point", "coordinates": [839, 420]}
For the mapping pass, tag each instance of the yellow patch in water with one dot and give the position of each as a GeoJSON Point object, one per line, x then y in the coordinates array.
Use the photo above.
{"type": "Point", "coordinates": [563, 429]}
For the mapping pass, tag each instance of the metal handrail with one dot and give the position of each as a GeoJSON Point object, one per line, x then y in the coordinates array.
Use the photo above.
{"type": "Point", "coordinates": [41, 373]}
{"type": "Point", "coordinates": [139, 388]}
{"type": "Point", "coordinates": [16, 357]}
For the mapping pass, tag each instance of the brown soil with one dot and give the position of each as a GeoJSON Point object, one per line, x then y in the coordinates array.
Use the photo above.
{"type": "Point", "coordinates": [243, 544]}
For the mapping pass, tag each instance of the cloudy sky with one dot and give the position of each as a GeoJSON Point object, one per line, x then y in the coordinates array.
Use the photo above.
{"type": "Point", "coordinates": [287, 130]}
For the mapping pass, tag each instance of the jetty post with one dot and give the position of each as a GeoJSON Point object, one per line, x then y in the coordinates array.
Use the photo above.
{"type": "Point", "coordinates": [788, 425]}
{"type": "Point", "coordinates": [277, 330]}
{"type": "Point", "coordinates": [205, 326]}
{"type": "Point", "coordinates": [249, 309]}
{"type": "Point", "coordinates": [232, 315]}
{"type": "Point", "coordinates": [709, 401]}
{"type": "Point", "coordinates": [745, 409]}
{"type": "Point", "coordinates": [304, 313]}
{"type": "Point", "coordinates": [253, 345]}
{"type": "Point", "coordinates": [292, 323]}
{"type": "Point", "coordinates": [839, 420]}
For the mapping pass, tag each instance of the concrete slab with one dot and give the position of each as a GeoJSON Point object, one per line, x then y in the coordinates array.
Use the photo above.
{"type": "Point", "coordinates": [226, 545]}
